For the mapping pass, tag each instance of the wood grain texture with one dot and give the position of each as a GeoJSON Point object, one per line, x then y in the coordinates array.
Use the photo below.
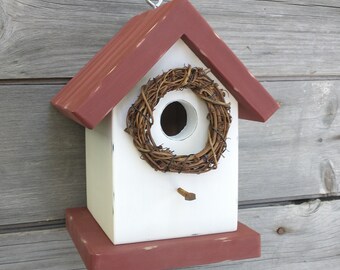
{"type": "Point", "coordinates": [296, 153]}
{"type": "Point", "coordinates": [42, 170]}
{"type": "Point", "coordinates": [50, 39]}
{"type": "Point", "coordinates": [304, 236]}
{"type": "Point", "coordinates": [308, 238]}
{"type": "Point", "coordinates": [41, 157]}
{"type": "Point", "coordinates": [49, 249]}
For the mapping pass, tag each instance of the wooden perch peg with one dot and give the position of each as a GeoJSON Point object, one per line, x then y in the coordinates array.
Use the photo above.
{"type": "Point", "coordinates": [187, 195]}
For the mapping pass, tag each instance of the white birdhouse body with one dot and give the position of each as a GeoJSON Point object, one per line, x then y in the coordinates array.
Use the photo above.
{"type": "Point", "coordinates": [147, 137]}
{"type": "Point", "coordinates": [133, 202]}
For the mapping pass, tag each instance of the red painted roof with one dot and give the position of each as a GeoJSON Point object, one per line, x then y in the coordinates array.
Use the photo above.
{"type": "Point", "coordinates": [131, 53]}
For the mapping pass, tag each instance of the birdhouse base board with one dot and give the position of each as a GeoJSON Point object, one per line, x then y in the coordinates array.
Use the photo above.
{"type": "Point", "coordinates": [98, 252]}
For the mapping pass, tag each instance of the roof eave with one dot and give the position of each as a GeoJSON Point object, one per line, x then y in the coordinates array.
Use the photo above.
{"type": "Point", "coordinates": [178, 19]}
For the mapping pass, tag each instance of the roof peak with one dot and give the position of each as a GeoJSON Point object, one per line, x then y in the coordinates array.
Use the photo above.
{"type": "Point", "coordinates": [113, 71]}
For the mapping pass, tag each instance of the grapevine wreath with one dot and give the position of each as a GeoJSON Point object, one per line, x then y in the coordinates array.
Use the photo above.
{"type": "Point", "coordinates": [140, 119]}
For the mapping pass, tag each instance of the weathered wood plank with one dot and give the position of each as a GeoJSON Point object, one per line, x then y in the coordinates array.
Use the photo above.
{"type": "Point", "coordinates": [274, 38]}
{"type": "Point", "coordinates": [41, 157]}
{"type": "Point", "coordinates": [308, 239]}
{"type": "Point", "coordinates": [49, 249]}
{"type": "Point", "coordinates": [304, 236]}
{"type": "Point", "coordinates": [294, 155]}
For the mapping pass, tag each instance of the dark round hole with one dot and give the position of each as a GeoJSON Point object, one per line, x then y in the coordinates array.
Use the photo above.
{"type": "Point", "coordinates": [173, 118]}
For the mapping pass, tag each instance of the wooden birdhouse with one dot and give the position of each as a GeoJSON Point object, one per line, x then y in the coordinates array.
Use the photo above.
{"type": "Point", "coordinates": [160, 104]}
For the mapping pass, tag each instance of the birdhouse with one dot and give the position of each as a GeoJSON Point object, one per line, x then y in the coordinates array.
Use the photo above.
{"type": "Point", "coordinates": [160, 104]}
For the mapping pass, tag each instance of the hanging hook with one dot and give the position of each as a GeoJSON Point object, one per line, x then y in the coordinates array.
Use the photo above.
{"type": "Point", "coordinates": [154, 5]}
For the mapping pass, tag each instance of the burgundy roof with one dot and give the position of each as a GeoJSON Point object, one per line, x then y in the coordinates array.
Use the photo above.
{"type": "Point", "coordinates": [132, 52]}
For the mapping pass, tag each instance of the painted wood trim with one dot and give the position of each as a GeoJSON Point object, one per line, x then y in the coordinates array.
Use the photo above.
{"type": "Point", "coordinates": [99, 253]}
{"type": "Point", "coordinates": [115, 69]}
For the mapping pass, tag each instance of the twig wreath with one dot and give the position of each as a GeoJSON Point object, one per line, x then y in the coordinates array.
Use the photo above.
{"type": "Point", "coordinates": [140, 119]}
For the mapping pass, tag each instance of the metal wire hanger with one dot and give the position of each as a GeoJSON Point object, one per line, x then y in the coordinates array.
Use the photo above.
{"type": "Point", "coordinates": [153, 4]}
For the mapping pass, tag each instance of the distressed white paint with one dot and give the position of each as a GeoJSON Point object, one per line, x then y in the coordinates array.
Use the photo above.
{"type": "Point", "coordinates": [99, 174]}
{"type": "Point", "coordinates": [141, 204]}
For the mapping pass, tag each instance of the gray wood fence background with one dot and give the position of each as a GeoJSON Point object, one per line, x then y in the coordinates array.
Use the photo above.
{"type": "Point", "coordinates": [289, 166]}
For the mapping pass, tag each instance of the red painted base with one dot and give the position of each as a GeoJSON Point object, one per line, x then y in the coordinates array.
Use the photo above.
{"type": "Point", "coordinates": [98, 252]}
